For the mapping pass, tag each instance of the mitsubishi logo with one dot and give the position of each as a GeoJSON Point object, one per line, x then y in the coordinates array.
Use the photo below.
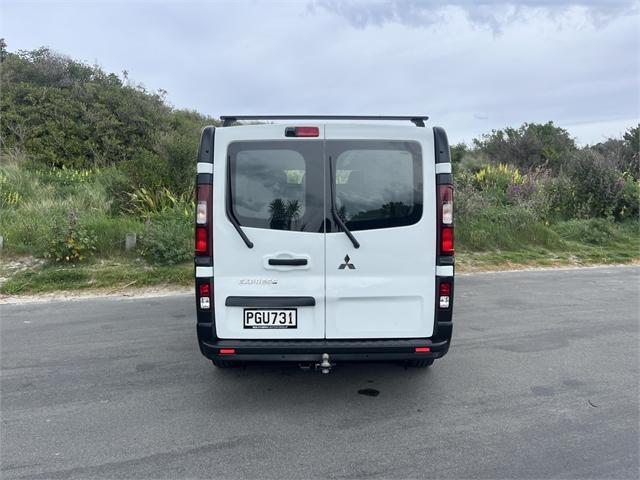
{"type": "Point", "coordinates": [346, 264]}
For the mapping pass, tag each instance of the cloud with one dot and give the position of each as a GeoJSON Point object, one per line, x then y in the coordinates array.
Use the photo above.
{"type": "Point", "coordinates": [246, 57]}
{"type": "Point", "coordinates": [492, 14]}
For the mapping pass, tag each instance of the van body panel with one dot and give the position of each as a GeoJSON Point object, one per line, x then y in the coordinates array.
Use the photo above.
{"type": "Point", "coordinates": [391, 289]}
{"type": "Point", "coordinates": [385, 289]}
{"type": "Point", "coordinates": [245, 272]}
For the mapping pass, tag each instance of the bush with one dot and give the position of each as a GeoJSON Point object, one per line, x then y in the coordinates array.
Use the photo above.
{"type": "Point", "coordinates": [117, 187]}
{"type": "Point", "coordinates": [530, 146]}
{"type": "Point", "coordinates": [144, 203]}
{"type": "Point", "coordinates": [597, 185]}
{"type": "Point", "coordinates": [496, 181]}
{"type": "Point", "coordinates": [72, 242]}
{"type": "Point", "coordinates": [628, 206]}
{"type": "Point", "coordinates": [168, 238]}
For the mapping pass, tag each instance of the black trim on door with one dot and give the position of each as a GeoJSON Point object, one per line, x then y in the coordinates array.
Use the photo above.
{"type": "Point", "coordinates": [270, 302]}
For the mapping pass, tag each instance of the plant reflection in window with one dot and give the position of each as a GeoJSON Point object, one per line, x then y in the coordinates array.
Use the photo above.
{"type": "Point", "coordinates": [284, 215]}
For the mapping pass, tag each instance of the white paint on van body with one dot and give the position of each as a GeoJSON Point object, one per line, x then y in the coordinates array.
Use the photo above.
{"type": "Point", "coordinates": [390, 293]}
{"type": "Point", "coordinates": [240, 271]}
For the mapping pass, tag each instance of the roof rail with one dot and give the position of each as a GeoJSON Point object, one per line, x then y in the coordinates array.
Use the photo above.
{"type": "Point", "coordinates": [418, 120]}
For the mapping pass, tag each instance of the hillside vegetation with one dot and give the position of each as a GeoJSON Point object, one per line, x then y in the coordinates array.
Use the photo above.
{"type": "Point", "coordinates": [88, 156]}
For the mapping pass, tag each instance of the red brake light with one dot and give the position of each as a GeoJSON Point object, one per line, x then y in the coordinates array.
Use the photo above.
{"type": "Point", "coordinates": [204, 290]}
{"type": "Point", "coordinates": [302, 132]}
{"type": "Point", "coordinates": [202, 245]}
{"type": "Point", "coordinates": [445, 289]}
{"type": "Point", "coordinates": [423, 349]}
{"type": "Point", "coordinates": [446, 244]}
{"type": "Point", "coordinates": [227, 351]}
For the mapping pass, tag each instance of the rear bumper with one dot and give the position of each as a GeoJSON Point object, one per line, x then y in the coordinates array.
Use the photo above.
{"type": "Point", "coordinates": [338, 350]}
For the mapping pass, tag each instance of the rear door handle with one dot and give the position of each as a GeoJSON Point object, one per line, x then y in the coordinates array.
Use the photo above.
{"type": "Point", "coordinates": [289, 262]}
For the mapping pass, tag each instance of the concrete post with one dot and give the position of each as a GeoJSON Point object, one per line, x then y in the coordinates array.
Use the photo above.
{"type": "Point", "coordinates": [130, 242]}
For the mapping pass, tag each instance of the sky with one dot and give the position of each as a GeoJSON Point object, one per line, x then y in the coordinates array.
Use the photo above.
{"type": "Point", "coordinates": [472, 66]}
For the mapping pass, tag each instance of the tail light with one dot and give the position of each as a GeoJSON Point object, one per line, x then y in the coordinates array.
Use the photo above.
{"type": "Point", "coordinates": [445, 294]}
{"type": "Point", "coordinates": [204, 295]}
{"type": "Point", "coordinates": [204, 216]}
{"type": "Point", "coordinates": [445, 219]}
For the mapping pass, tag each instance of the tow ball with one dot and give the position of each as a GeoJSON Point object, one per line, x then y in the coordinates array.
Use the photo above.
{"type": "Point", "coordinates": [325, 365]}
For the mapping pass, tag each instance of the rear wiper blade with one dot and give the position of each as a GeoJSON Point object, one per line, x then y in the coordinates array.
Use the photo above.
{"type": "Point", "coordinates": [232, 217]}
{"type": "Point", "coordinates": [334, 212]}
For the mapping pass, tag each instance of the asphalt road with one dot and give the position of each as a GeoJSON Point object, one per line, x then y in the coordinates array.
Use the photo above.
{"type": "Point", "coordinates": [541, 381]}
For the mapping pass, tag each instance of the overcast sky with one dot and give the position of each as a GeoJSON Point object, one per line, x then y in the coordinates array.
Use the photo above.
{"type": "Point", "coordinates": [470, 66]}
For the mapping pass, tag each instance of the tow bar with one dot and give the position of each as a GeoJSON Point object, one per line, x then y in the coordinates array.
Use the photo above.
{"type": "Point", "coordinates": [325, 366]}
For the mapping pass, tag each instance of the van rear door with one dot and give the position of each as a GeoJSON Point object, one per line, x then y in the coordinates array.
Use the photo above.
{"type": "Point", "coordinates": [383, 189]}
{"type": "Point", "coordinates": [272, 187]}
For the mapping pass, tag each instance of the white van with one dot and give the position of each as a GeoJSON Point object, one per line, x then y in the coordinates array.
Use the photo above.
{"type": "Point", "coordinates": [319, 242]}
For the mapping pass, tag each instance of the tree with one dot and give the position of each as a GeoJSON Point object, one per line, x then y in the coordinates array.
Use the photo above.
{"type": "Point", "coordinates": [530, 146]}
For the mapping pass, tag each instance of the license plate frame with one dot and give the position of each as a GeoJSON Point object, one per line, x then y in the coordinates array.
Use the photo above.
{"type": "Point", "coordinates": [269, 318]}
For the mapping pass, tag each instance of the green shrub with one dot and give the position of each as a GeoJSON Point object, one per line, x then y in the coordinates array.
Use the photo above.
{"type": "Point", "coordinates": [71, 243]}
{"type": "Point", "coordinates": [628, 206]}
{"type": "Point", "coordinates": [144, 203]}
{"type": "Point", "coordinates": [117, 187]}
{"type": "Point", "coordinates": [168, 238]}
{"type": "Point", "coordinates": [596, 185]}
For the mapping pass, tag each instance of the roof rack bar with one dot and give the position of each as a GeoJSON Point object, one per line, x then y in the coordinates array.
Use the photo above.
{"type": "Point", "coordinates": [418, 120]}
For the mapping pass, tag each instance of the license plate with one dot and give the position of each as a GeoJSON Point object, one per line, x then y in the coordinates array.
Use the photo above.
{"type": "Point", "coordinates": [270, 318]}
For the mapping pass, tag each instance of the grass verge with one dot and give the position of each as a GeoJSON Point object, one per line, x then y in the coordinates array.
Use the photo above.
{"type": "Point", "coordinates": [113, 275]}
{"type": "Point", "coordinates": [570, 243]}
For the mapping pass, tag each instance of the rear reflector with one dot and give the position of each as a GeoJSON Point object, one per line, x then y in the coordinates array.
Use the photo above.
{"type": "Point", "coordinates": [423, 349]}
{"type": "Point", "coordinates": [302, 132]}
{"type": "Point", "coordinates": [227, 351]}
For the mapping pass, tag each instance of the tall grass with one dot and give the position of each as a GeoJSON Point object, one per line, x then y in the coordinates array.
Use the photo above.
{"type": "Point", "coordinates": [46, 200]}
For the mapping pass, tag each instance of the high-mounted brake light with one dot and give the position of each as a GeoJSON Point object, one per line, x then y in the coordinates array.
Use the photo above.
{"type": "Point", "coordinates": [302, 132]}
{"type": "Point", "coordinates": [203, 220]}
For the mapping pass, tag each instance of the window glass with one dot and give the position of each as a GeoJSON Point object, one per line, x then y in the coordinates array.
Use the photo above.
{"type": "Point", "coordinates": [378, 187]}
{"type": "Point", "coordinates": [269, 187]}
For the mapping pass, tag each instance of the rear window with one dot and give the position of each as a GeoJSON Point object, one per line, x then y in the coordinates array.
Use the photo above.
{"type": "Point", "coordinates": [277, 185]}
{"type": "Point", "coordinates": [377, 184]}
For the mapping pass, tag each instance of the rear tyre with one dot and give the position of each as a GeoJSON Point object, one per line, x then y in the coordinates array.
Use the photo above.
{"type": "Point", "coordinates": [422, 363]}
{"type": "Point", "coordinates": [222, 363]}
